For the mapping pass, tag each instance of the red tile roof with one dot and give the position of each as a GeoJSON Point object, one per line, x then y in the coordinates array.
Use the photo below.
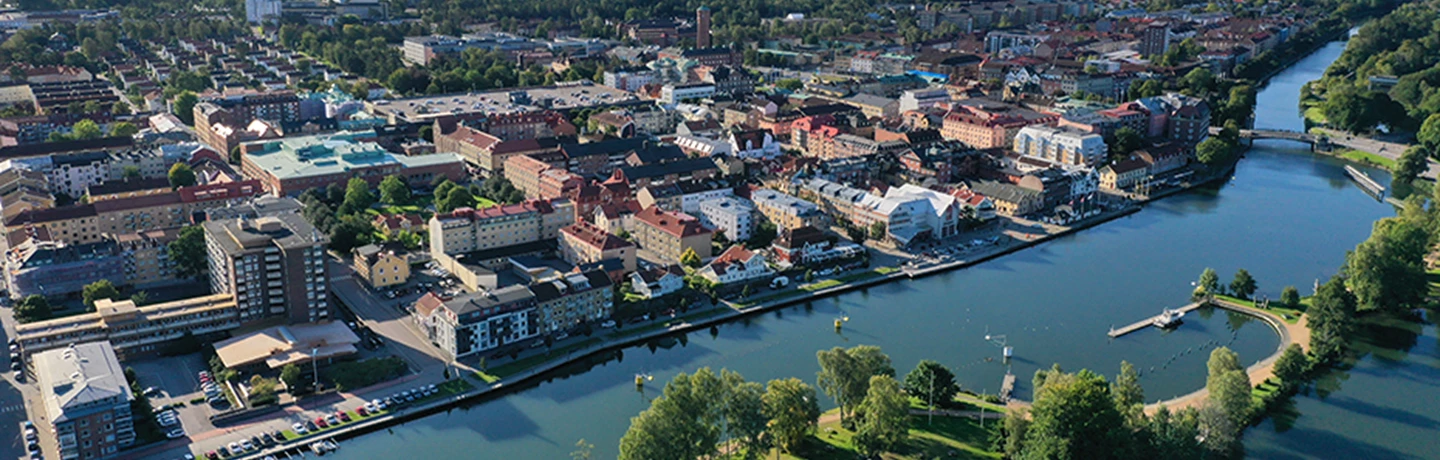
{"type": "Point", "coordinates": [675, 223]}
{"type": "Point", "coordinates": [595, 236]}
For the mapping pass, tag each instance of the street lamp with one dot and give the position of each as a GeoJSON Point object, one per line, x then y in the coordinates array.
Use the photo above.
{"type": "Point", "coordinates": [315, 366]}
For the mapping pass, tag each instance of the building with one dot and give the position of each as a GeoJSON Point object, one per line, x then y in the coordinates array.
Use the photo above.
{"type": "Point", "coordinates": [56, 270]}
{"type": "Point", "coordinates": [272, 348]}
{"type": "Point", "coordinates": [476, 322]}
{"type": "Point", "coordinates": [381, 266]}
{"type": "Point", "coordinates": [134, 331]}
{"type": "Point", "coordinates": [662, 32]}
{"type": "Point", "coordinates": [564, 302]}
{"type": "Point", "coordinates": [275, 265]}
{"type": "Point", "coordinates": [669, 234]}
{"type": "Point", "coordinates": [630, 79]}
{"type": "Point", "coordinates": [673, 93]}
{"type": "Point", "coordinates": [808, 246]}
{"type": "Point", "coordinates": [464, 230]}
{"type": "Point", "coordinates": [292, 165]}
{"type": "Point", "coordinates": [93, 222]}
{"type": "Point", "coordinates": [391, 224]}
{"type": "Point", "coordinates": [1155, 39]}
{"type": "Point", "coordinates": [702, 27]}
{"type": "Point", "coordinates": [489, 142]}
{"type": "Point", "coordinates": [735, 265]}
{"type": "Point", "coordinates": [86, 398]}
{"type": "Point", "coordinates": [236, 112]}
{"type": "Point", "coordinates": [657, 281]}
{"type": "Point", "coordinates": [911, 213]}
{"type": "Point", "coordinates": [146, 257]}
{"type": "Point", "coordinates": [984, 124]}
{"type": "Point", "coordinates": [1009, 199]}
{"type": "Point", "coordinates": [584, 243]}
{"type": "Point", "coordinates": [920, 99]}
{"type": "Point", "coordinates": [682, 196]}
{"type": "Point", "coordinates": [1123, 174]}
{"type": "Point", "coordinates": [786, 211]}
{"type": "Point", "coordinates": [732, 216]}
{"type": "Point", "coordinates": [1061, 146]}
{"type": "Point", "coordinates": [258, 11]}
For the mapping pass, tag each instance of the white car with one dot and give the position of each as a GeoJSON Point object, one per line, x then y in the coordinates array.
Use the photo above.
{"type": "Point", "coordinates": [245, 444]}
{"type": "Point", "coordinates": [299, 428]}
{"type": "Point", "coordinates": [175, 433]}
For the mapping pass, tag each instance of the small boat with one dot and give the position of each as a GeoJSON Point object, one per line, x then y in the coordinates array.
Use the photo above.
{"type": "Point", "coordinates": [1168, 319]}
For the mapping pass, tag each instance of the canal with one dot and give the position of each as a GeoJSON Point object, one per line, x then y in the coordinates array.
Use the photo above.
{"type": "Point", "coordinates": [1287, 216]}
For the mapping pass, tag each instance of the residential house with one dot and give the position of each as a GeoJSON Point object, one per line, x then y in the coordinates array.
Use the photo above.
{"type": "Point", "coordinates": [657, 281]}
{"type": "Point", "coordinates": [584, 243]}
{"type": "Point", "coordinates": [735, 265]}
{"type": "Point", "coordinates": [382, 266]}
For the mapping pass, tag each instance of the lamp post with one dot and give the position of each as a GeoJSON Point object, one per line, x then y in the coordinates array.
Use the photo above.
{"type": "Point", "coordinates": [315, 366]}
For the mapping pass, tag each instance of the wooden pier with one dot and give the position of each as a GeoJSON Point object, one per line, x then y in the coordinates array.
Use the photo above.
{"type": "Point", "coordinates": [1147, 322]}
{"type": "Point", "coordinates": [1007, 386]}
{"type": "Point", "coordinates": [1369, 185]}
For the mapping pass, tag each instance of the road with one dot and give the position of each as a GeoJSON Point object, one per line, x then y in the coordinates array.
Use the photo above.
{"type": "Point", "coordinates": [1390, 150]}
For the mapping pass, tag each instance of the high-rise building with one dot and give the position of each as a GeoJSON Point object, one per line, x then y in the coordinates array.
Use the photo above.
{"type": "Point", "coordinates": [702, 27]}
{"type": "Point", "coordinates": [85, 397]}
{"type": "Point", "coordinates": [274, 264]}
{"type": "Point", "coordinates": [258, 11]}
{"type": "Point", "coordinates": [1156, 40]}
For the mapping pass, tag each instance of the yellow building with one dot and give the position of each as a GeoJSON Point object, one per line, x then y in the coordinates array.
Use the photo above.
{"type": "Point", "coordinates": [382, 266]}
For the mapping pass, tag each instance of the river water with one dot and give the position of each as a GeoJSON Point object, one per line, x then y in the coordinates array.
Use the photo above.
{"type": "Point", "coordinates": [1287, 216]}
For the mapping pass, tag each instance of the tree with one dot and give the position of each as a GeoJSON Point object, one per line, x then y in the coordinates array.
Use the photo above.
{"type": "Point", "coordinates": [1129, 395]}
{"type": "Point", "coordinates": [582, 450]}
{"type": "Point", "coordinates": [1209, 282]}
{"type": "Point", "coordinates": [1243, 285]}
{"type": "Point", "coordinates": [681, 423]}
{"type": "Point", "coordinates": [351, 232]}
{"type": "Point", "coordinates": [188, 252]}
{"type": "Point", "coordinates": [1411, 165]}
{"type": "Point", "coordinates": [184, 107]}
{"type": "Point", "coordinates": [1387, 270]}
{"type": "Point", "coordinates": [357, 196]}
{"type": "Point", "coordinates": [763, 235]}
{"type": "Point", "coordinates": [845, 374]}
{"type": "Point", "coordinates": [1331, 314]}
{"type": "Point", "coordinates": [130, 173]}
{"type": "Point", "coordinates": [290, 374]}
{"type": "Point", "coordinates": [1429, 134]}
{"type": "Point", "coordinates": [690, 258]}
{"type": "Point", "coordinates": [1291, 365]}
{"type": "Point", "coordinates": [85, 130]}
{"type": "Point", "coordinates": [102, 289]}
{"type": "Point", "coordinates": [1125, 141]}
{"type": "Point", "coordinates": [792, 84]}
{"type": "Point", "coordinates": [1074, 416]}
{"type": "Point", "coordinates": [886, 416]}
{"type": "Point", "coordinates": [140, 298]}
{"type": "Point", "coordinates": [1290, 297]}
{"type": "Point", "coordinates": [1199, 81]}
{"type": "Point", "coordinates": [394, 191]}
{"type": "Point", "coordinates": [1213, 151]}
{"type": "Point", "coordinates": [123, 129]}
{"type": "Point", "coordinates": [744, 411]}
{"type": "Point", "coordinates": [456, 197]}
{"type": "Point", "coordinates": [33, 307]}
{"type": "Point", "coordinates": [932, 383]}
{"type": "Point", "coordinates": [793, 410]}
{"type": "Point", "coordinates": [1229, 385]}
{"type": "Point", "coordinates": [877, 231]}
{"type": "Point", "coordinates": [181, 175]}
{"type": "Point", "coordinates": [856, 234]}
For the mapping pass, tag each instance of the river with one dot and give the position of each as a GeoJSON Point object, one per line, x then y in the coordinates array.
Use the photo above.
{"type": "Point", "coordinates": [1287, 216]}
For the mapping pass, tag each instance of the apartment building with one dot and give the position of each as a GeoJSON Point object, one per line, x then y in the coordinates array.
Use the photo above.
{"type": "Point", "coordinates": [733, 216]}
{"type": "Point", "coordinates": [988, 124]}
{"type": "Point", "coordinates": [90, 222]}
{"type": "Point", "coordinates": [565, 302]}
{"type": "Point", "coordinates": [1062, 146]}
{"type": "Point", "coordinates": [786, 211]}
{"type": "Point", "coordinates": [275, 265]}
{"type": "Point", "coordinates": [134, 331]}
{"type": "Point", "coordinates": [215, 118]}
{"type": "Point", "coordinates": [479, 321]}
{"type": "Point", "coordinates": [585, 243]}
{"type": "Point", "coordinates": [669, 234]}
{"type": "Point", "coordinates": [85, 397]}
{"type": "Point", "coordinates": [465, 230]}
{"type": "Point", "coordinates": [55, 270]}
{"type": "Point", "coordinates": [381, 266]}
{"type": "Point", "coordinates": [146, 257]}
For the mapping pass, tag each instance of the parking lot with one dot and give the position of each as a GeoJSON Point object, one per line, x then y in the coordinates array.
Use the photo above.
{"type": "Point", "coordinates": [175, 380]}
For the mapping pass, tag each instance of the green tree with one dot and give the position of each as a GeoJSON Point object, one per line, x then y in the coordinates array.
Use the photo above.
{"type": "Point", "coordinates": [583, 450]}
{"type": "Point", "coordinates": [744, 411]}
{"type": "Point", "coordinates": [33, 307]}
{"type": "Point", "coordinates": [351, 232]}
{"type": "Point", "coordinates": [1411, 165]}
{"type": "Point", "coordinates": [681, 423]}
{"type": "Point", "coordinates": [123, 129]}
{"type": "Point", "coordinates": [188, 252]}
{"type": "Point", "coordinates": [932, 383]}
{"type": "Point", "coordinates": [102, 289]}
{"type": "Point", "coordinates": [1291, 365]}
{"type": "Point", "coordinates": [181, 175]}
{"type": "Point", "coordinates": [1243, 286]}
{"type": "Point", "coordinates": [1014, 429]}
{"type": "Point", "coordinates": [130, 173]}
{"type": "Point", "coordinates": [1229, 385]}
{"type": "Point", "coordinates": [1199, 81]}
{"type": "Point", "coordinates": [885, 422]}
{"type": "Point", "coordinates": [290, 374]}
{"type": "Point", "coordinates": [184, 107]}
{"type": "Point", "coordinates": [1074, 416]}
{"type": "Point", "coordinates": [1429, 134]}
{"type": "Point", "coordinates": [1173, 435]}
{"type": "Point", "coordinates": [1213, 151]}
{"type": "Point", "coordinates": [1125, 141]}
{"type": "Point", "coordinates": [877, 231]}
{"type": "Point", "coordinates": [1290, 297]}
{"type": "Point", "coordinates": [86, 129]}
{"type": "Point", "coordinates": [690, 258]}
{"type": "Point", "coordinates": [791, 84]}
{"type": "Point", "coordinates": [357, 196]}
{"type": "Point", "coordinates": [1387, 270]}
{"type": "Point", "coordinates": [845, 374]}
{"type": "Point", "coordinates": [1209, 282]}
{"type": "Point", "coordinates": [1129, 395]}
{"type": "Point", "coordinates": [793, 410]}
{"type": "Point", "coordinates": [456, 197]}
{"type": "Point", "coordinates": [394, 191]}
{"type": "Point", "coordinates": [1331, 314]}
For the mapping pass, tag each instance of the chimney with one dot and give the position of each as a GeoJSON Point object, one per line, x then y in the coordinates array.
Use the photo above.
{"type": "Point", "coordinates": [702, 27]}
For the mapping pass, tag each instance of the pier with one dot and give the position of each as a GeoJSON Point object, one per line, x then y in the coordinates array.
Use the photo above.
{"type": "Point", "coordinates": [1370, 186]}
{"type": "Point", "coordinates": [1147, 322]}
{"type": "Point", "coordinates": [1007, 386]}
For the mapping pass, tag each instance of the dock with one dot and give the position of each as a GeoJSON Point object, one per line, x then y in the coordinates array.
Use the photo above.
{"type": "Point", "coordinates": [1007, 386]}
{"type": "Point", "coordinates": [1369, 185]}
{"type": "Point", "coordinates": [1147, 322]}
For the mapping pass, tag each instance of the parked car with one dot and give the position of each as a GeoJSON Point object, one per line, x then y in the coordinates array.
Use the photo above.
{"type": "Point", "coordinates": [332, 420]}
{"type": "Point", "coordinates": [343, 416]}
{"type": "Point", "coordinates": [175, 433]}
{"type": "Point", "coordinates": [246, 445]}
{"type": "Point", "coordinates": [322, 422]}
{"type": "Point", "coordinates": [309, 425]}
{"type": "Point", "coordinates": [151, 391]}
{"type": "Point", "coordinates": [362, 411]}
{"type": "Point", "coordinates": [609, 323]}
{"type": "Point", "coordinates": [299, 428]}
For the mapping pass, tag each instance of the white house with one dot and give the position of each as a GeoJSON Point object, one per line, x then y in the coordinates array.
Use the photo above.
{"type": "Point", "coordinates": [732, 214]}
{"type": "Point", "coordinates": [657, 281]}
{"type": "Point", "coordinates": [735, 265]}
{"type": "Point", "coordinates": [754, 143]}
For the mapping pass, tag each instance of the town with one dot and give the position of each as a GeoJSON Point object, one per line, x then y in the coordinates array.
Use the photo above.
{"type": "Point", "coordinates": [230, 233]}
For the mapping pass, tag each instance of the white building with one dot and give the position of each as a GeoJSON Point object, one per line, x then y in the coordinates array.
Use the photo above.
{"type": "Point", "coordinates": [734, 215]}
{"type": "Point", "coordinates": [912, 212]}
{"type": "Point", "coordinates": [630, 79]}
{"type": "Point", "coordinates": [735, 265]}
{"type": "Point", "coordinates": [703, 146]}
{"type": "Point", "coordinates": [916, 99]}
{"type": "Point", "coordinates": [756, 143]}
{"type": "Point", "coordinates": [478, 321]}
{"type": "Point", "coordinates": [1060, 145]}
{"type": "Point", "coordinates": [672, 93]}
{"type": "Point", "coordinates": [657, 281]}
{"type": "Point", "coordinates": [258, 11]}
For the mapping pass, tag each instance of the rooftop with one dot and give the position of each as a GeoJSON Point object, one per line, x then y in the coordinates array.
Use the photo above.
{"type": "Point", "coordinates": [76, 376]}
{"type": "Point", "coordinates": [331, 154]}
{"type": "Point", "coordinates": [501, 101]}
{"type": "Point", "coordinates": [281, 345]}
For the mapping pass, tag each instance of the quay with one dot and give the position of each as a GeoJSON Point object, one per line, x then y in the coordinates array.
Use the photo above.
{"type": "Point", "coordinates": [1370, 186]}
{"type": "Point", "coordinates": [1147, 322]}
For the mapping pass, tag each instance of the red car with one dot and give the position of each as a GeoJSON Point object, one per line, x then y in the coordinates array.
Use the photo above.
{"type": "Point", "coordinates": [320, 421]}
{"type": "Point", "coordinates": [343, 416]}
{"type": "Point", "coordinates": [361, 410]}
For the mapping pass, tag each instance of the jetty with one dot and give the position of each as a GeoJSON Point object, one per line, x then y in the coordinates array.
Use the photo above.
{"type": "Point", "coordinates": [1153, 320]}
{"type": "Point", "coordinates": [1369, 185]}
{"type": "Point", "coordinates": [1007, 386]}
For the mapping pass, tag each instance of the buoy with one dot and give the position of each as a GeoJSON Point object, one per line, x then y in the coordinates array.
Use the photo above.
{"type": "Point", "coordinates": [837, 324]}
{"type": "Point", "coordinates": [639, 380]}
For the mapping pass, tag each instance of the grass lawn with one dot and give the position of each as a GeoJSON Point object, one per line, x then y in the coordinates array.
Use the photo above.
{"type": "Point", "coordinates": [482, 202]}
{"type": "Point", "coordinates": [1368, 158]}
{"type": "Point", "coordinates": [1316, 115]}
{"type": "Point", "coordinates": [689, 318]}
{"type": "Point", "coordinates": [520, 365]}
{"type": "Point", "coordinates": [1290, 315]}
{"type": "Point", "coordinates": [818, 285]}
{"type": "Point", "coordinates": [944, 437]}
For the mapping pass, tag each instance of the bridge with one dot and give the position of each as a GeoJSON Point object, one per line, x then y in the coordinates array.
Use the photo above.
{"type": "Point", "coordinates": [1284, 134]}
{"type": "Point", "coordinates": [1328, 140]}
